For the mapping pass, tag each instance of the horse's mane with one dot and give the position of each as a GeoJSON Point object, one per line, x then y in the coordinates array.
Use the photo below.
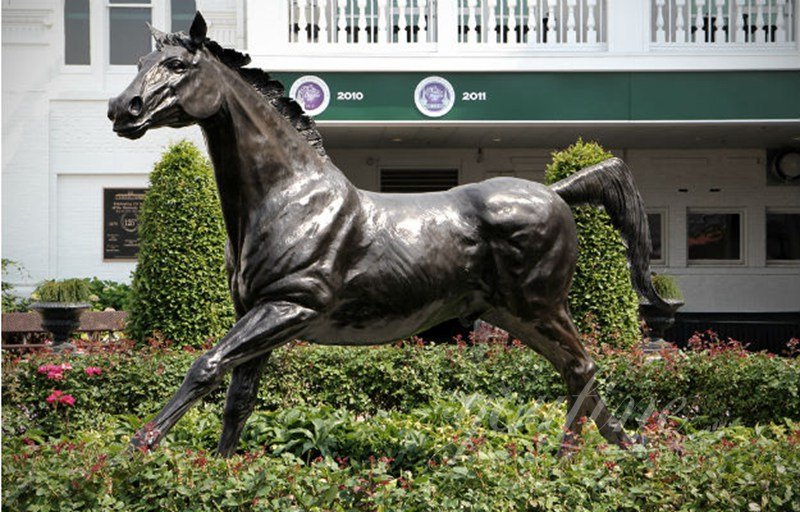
{"type": "Point", "coordinates": [272, 90]}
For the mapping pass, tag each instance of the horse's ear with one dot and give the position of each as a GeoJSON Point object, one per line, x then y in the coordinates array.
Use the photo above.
{"type": "Point", "coordinates": [158, 36]}
{"type": "Point", "coordinates": [198, 30]}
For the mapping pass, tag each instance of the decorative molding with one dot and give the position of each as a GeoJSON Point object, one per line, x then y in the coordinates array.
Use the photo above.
{"type": "Point", "coordinates": [27, 26]}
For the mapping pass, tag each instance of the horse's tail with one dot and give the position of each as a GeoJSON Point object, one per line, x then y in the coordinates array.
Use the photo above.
{"type": "Point", "coordinates": [610, 184]}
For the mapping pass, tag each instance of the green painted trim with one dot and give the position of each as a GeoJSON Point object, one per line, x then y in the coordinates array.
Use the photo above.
{"type": "Point", "coordinates": [551, 96]}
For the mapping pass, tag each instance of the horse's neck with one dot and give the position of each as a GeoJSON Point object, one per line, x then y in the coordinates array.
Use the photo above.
{"type": "Point", "coordinates": [259, 157]}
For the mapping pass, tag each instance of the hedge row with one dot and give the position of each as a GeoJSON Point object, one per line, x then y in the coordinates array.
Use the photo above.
{"type": "Point", "coordinates": [710, 386]}
{"type": "Point", "coordinates": [467, 453]}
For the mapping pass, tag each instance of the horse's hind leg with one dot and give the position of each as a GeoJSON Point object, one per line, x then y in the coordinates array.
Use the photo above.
{"type": "Point", "coordinates": [240, 402]}
{"type": "Point", "coordinates": [262, 329]}
{"type": "Point", "coordinates": [553, 334]}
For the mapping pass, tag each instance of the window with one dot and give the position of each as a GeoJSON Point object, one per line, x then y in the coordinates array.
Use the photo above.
{"type": "Point", "coordinates": [655, 222]}
{"type": "Point", "coordinates": [182, 14]}
{"type": "Point", "coordinates": [783, 236]}
{"type": "Point", "coordinates": [418, 180]}
{"type": "Point", "coordinates": [76, 32]}
{"type": "Point", "coordinates": [714, 236]}
{"type": "Point", "coordinates": [128, 36]}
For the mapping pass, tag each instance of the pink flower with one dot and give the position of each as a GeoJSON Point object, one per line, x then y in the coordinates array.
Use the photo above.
{"type": "Point", "coordinates": [55, 375]}
{"type": "Point", "coordinates": [66, 366]}
{"type": "Point", "coordinates": [67, 399]}
{"type": "Point", "coordinates": [93, 370]}
{"type": "Point", "coordinates": [55, 396]}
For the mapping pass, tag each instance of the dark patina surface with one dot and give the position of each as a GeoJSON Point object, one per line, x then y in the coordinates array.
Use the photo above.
{"type": "Point", "coordinates": [310, 256]}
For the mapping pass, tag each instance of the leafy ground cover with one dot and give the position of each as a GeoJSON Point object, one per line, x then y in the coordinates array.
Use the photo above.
{"type": "Point", "coordinates": [470, 426]}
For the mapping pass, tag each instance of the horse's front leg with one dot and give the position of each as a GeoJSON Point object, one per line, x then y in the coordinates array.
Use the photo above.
{"type": "Point", "coordinates": [262, 329]}
{"type": "Point", "coordinates": [241, 400]}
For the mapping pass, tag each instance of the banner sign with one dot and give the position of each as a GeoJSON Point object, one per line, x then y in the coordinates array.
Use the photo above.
{"type": "Point", "coordinates": [547, 96]}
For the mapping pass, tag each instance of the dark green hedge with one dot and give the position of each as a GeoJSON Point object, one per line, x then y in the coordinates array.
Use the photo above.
{"type": "Point", "coordinates": [712, 386]}
{"type": "Point", "coordinates": [179, 286]}
{"type": "Point", "coordinates": [465, 453]}
{"type": "Point", "coordinates": [601, 296]}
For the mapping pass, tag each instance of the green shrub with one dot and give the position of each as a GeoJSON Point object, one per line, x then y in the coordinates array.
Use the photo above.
{"type": "Point", "coordinates": [667, 287]}
{"type": "Point", "coordinates": [710, 386]}
{"type": "Point", "coordinates": [179, 286]}
{"type": "Point", "coordinates": [467, 452]}
{"type": "Point", "coordinates": [601, 296]}
{"type": "Point", "coordinates": [109, 294]}
{"type": "Point", "coordinates": [12, 302]}
{"type": "Point", "coordinates": [68, 290]}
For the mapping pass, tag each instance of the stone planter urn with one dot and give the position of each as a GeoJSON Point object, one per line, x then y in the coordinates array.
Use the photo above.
{"type": "Point", "coordinates": [61, 319]}
{"type": "Point", "coordinates": [658, 321]}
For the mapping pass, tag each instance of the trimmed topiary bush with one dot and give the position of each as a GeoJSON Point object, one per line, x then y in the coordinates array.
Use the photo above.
{"type": "Point", "coordinates": [179, 286]}
{"type": "Point", "coordinates": [602, 296]}
{"type": "Point", "coordinates": [667, 287]}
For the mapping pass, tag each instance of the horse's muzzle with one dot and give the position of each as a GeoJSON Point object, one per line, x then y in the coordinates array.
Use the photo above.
{"type": "Point", "coordinates": [124, 113]}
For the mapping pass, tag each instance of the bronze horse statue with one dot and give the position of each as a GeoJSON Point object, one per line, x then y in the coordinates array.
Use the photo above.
{"type": "Point", "coordinates": [310, 256]}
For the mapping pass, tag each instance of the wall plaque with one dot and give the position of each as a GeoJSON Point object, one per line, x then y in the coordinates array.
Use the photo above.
{"type": "Point", "coordinates": [121, 208]}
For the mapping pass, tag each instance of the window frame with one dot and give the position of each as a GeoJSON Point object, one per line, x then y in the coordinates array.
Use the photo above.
{"type": "Point", "coordinates": [778, 210]}
{"type": "Point", "coordinates": [155, 6]}
{"type": "Point", "coordinates": [664, 213]}
{"type": "Point", "coordinates": [742, 261]}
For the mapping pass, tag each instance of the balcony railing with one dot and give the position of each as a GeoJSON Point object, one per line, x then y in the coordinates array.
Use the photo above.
{"type": "Point", "coordinates": [531, 23]}
{"type": "Point", "coordinates": [720, 23]}
{"type": "Point", "coordinates": [422, 24]}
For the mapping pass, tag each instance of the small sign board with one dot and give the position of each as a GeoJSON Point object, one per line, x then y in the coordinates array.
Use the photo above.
{"type": "Point", "coordinates": [121, 207]}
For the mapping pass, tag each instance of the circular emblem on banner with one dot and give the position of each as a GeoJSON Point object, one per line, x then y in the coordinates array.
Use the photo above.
{"type": "Point", "coordinates": [434, 96]}
{"type": "Point", "coordinates": [312, 93]}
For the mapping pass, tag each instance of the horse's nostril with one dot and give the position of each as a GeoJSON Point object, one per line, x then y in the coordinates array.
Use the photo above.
{"type": "Point", "coordinates": [135, 106]}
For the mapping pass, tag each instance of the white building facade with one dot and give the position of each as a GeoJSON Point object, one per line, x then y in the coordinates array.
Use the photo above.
{"type": "Point", "coordinates": [700, 97]}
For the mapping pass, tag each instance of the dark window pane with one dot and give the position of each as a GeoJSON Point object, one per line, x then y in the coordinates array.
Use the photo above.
{"type": "Point", "coordinates": [76, 32]}
{"type": "Point", "coordinates": [130, 38]}
{"type": "Point", "coordinates": [783, 236]}
{"type": "Point", "coordinates": [182, 13]}
{"type": "Point", "coordinates": [418, 180]}
{"type": "Point", "coordinates": [654, 222]}
{"type": "Point", "coordinates": [714, 236]}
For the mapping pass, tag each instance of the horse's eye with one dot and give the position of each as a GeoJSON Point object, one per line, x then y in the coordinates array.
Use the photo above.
{"type": "Point", "coordinates": [178, 66]}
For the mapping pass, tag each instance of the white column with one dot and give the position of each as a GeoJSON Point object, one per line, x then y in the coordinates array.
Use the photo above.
{"type": "Point", "coordinates": [470, 35]}
{"type": "Point", "coordinates": [322, 38]}
{"type": "Point", "coordinates": [628, 26]}
{"type": "Point", "coordinates": [383, 27]}
{"type": "Point", "coordinates": [680, 22]}
{"type": "Point", "coordinates": [552, 27]}
{"type": "Point", "coordinates": [699, 34]}
{"type": "Point", "coordinates": [362, 22]}
{"type": "Point", "coordinates": [780, 23]}
{"type": "Point", "coordinates": [591, 23]}
{"type": "Point", "coordinates": [719, 33]}
{"type": "Point", "coordinates": [512, 21]}
{"type": "Point", "coordinates": [402, 24]}
{"type": "Point", "coordinates": [533, 30]}
{"type": "Point", "coordinates": [302, 22]}
{"type": "Point", "coordinates": [341, 25]}
{"type": "Point", "coordinates": [741, 31]}
{"type": "Point", "coordinates": [572, 36]}
{"type": "Point", "coordinates": [422, 6]}
{"type": "Point", "coordinates": [660, 37]}
{"type": "Point", "coordinates": [761, 34]}
{"type": "Point", "coordinates": [491, 21]}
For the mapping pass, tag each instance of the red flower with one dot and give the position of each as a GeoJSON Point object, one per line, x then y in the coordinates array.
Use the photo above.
{"type": "Point", "coordinates": [54, 397]}
{"type": "Point", "coordinates": [58, 397]}
{"type": "Point", "coordinates": [93, 370]}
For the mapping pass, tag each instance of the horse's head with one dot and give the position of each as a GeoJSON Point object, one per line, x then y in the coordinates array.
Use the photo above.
{"type": "Point", "coordinates": [174, 86]}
